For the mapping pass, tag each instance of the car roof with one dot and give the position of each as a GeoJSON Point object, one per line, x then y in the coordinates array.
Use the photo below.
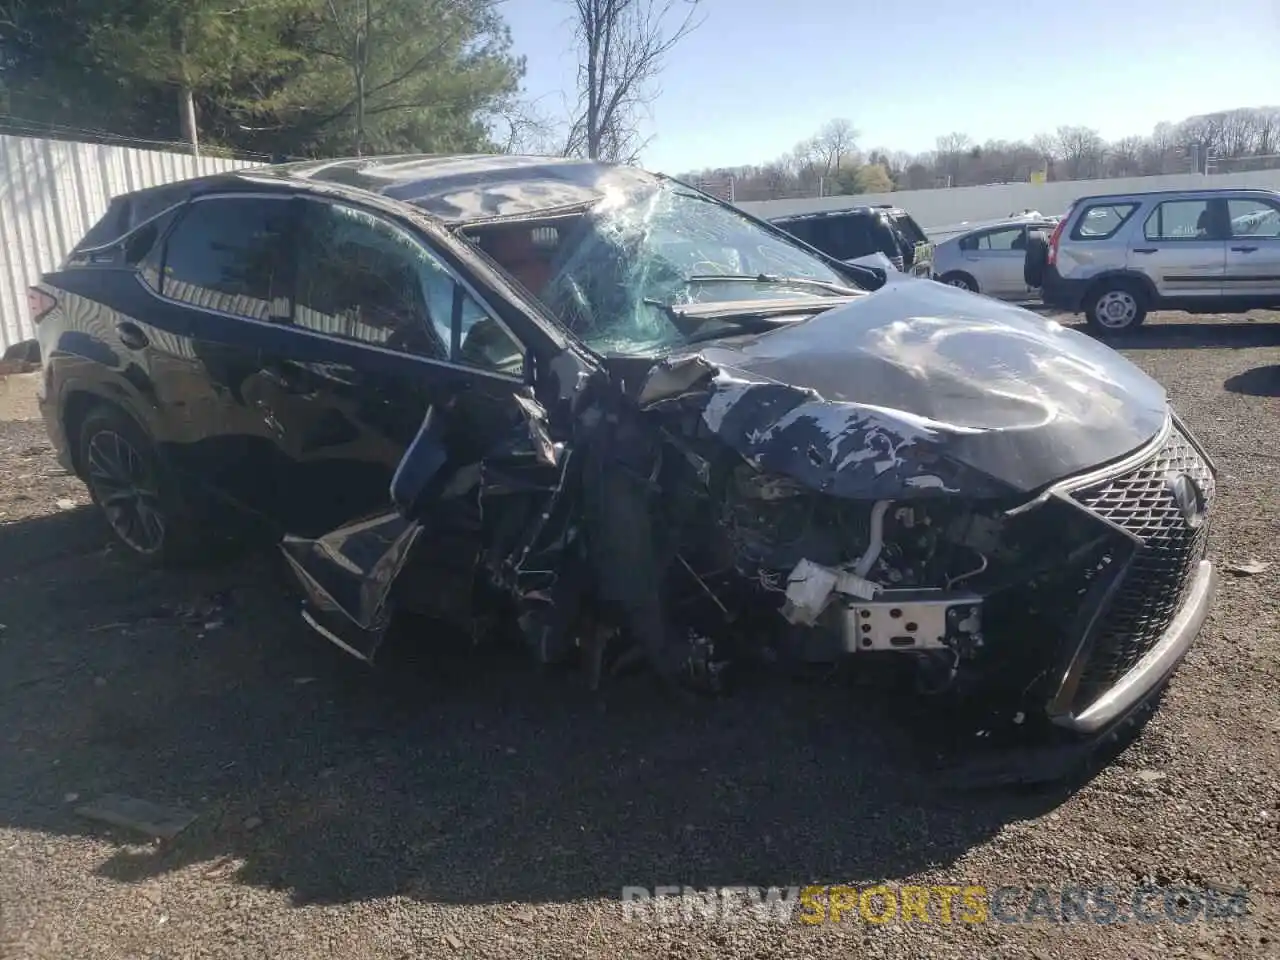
{"type": "Point", "coordinates": [1033, 223]}
{"type": "Point", "coordinates": [860, 211]}
{"type": "Point", "coordinates": [454, 189]}
{"type": "Point", "coordinates": [1135, 194]}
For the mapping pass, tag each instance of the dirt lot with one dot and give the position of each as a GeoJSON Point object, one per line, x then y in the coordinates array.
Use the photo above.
{"type": "Point", "coordinates": [460, 808]}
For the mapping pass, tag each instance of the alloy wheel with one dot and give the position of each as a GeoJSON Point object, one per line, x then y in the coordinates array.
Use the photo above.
{"type": "Point", "coordinates": [125, 486]}
{"type": "Point", "coordinates": [1116, 309]}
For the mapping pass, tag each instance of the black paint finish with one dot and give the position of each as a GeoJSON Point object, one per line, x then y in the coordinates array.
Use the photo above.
{"type": "Point", "coordinates": [920, 389]}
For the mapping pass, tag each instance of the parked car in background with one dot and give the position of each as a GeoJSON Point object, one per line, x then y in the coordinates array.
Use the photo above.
{"type": "Point", "coordinates": [1116, 257]}
{"type": "Point", "coordinates": [989, 259]}
{"type": "Point", "coordinates": [859, 232]}
{"type": "Point", "coordinates": [596, 411]}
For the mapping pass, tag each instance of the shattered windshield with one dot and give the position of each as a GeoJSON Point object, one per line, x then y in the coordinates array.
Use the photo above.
{"type": "Point", "coordinates": [632, 256]}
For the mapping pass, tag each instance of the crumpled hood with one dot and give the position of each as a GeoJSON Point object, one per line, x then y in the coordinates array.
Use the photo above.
{"type": "Point", "coordinates": [919, 389]}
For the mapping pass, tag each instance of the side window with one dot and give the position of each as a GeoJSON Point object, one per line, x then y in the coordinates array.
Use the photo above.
{"type": "Point", "coordinates": [844, 237]}
{"type": "Point", "coordinates": [1001, 240]}
{"type": "Point", "coordinates": [109, 226]}
{"type": "Point", "coordinates": [363, 278]}
{"type": "Point", "coordinates": [1180, 220]}
{"type": "Point", "coordinates": [1254, 218]}
{"type": "Point", "coordinates": [483, 342]}
{"type": "Point", "coordinates": [802, 230]}
{"type": "Point", "coordinates": [143, 249]}
{"type": "Point", "coordinates": [909, 228]}
{"type": "Point", "coordinates": [832, 235]}
{"type": "Point", "coordinates": [861, 236]}
{"type": "Point", "coordinates": [1100, 221]}
{"type": "Point", "coordinates": [883, 237]}
{"type": "Point", "coordinates": [231, 254]}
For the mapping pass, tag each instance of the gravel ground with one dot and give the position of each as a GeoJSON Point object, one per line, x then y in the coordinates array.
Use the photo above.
{"type": "Point", "coordinates": [469, 807]}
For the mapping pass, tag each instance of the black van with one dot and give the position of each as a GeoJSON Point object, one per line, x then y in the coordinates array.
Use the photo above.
{"type": "Point", "coordinates": [861, 231]}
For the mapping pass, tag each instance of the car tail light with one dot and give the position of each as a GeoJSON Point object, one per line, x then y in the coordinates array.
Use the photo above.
{"type": "Point", "coordinates": [39, 303]}
{"type": "Point", "coordinates": [1055, 237]}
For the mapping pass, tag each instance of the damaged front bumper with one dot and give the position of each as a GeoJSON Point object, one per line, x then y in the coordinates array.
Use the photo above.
{"type": "Point", "coordinates": [1155, 667]}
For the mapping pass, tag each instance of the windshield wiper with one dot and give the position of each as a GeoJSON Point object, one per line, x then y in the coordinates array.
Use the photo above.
{"type": "Point", "coordinates": [771, 278]}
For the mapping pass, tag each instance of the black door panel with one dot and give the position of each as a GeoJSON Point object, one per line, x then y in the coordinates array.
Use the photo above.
{"type": "Point", "coordinates": [223, 265]}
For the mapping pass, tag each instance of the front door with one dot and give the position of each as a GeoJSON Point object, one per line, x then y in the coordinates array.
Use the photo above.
{"type": "Point", "coordinates": [381, 333]}
{"type": "Point", "coordinates": [1253, 250]}
{"type": "Point", "coordinates": [1182, 248]}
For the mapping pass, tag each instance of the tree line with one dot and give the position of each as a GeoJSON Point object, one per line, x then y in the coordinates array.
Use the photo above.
{"type": "Point", "coordinates": [290, 77]}
{"type": "Point", "coordinates": [323, 78]}
{"type": "Point", "coordinates": [831, 162]}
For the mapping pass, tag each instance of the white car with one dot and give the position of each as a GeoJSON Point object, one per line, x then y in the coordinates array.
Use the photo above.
{"type": "Point", "coordinates": [989, 259]}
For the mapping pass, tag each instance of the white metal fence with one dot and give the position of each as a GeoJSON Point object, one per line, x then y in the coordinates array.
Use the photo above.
{"type": "Point", "coordinates": [53, 191]}
{"type": "Point", "coordinates": [943, 208]}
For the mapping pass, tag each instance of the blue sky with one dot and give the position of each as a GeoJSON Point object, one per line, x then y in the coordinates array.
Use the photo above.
{"type": "Point", "coordinates": [761, 75]}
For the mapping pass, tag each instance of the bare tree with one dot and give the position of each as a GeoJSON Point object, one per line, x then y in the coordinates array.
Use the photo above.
{"type": "Point", "coordinates": [1268, 130]}
{"type": "Point", "coordinates": [352, 25]}
{"type": "Point", "coordinates": [1046, 146]}
{"type": "Point", "coordinates": [951, 150]}
{"type": "Point", "coordinates": [1125, 157]}
{"type": "Point", "coordinates": [623, 46]}
{"type": "Point", "coordinates": [1162, 152]}
{"type": "Point", "coordinates": [1247, 138]}
{"type": "Point", "coordinates": [521, 126]}
{"type": "Point", "coordinates": [836, 144]}
{"type": "Point", "coordinates": [1205, 133]}
{"type": "Point", "coordinates": [1081, 150]}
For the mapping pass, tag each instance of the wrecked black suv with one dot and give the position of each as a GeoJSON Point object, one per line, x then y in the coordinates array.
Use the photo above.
{"type": "Point", "coordinates": [619, 418]}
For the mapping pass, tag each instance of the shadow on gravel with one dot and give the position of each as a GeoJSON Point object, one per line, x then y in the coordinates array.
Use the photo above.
{"type": "Point", "coordinates": [1154, 335]}
{"type": "Point", "coordinates": [1258, 382]}
{"type": "Point", "coordinates": [459, 779]}
{"type": "Point", "coordinates": [48, 538]}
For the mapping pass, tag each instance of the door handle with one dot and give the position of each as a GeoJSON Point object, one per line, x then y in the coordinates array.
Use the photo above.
{"type": "Point", "coordinates": [1243, 249]}
{"type": "Point", "coordinates": [131, 335]}
{"type": "Point", "coordinates": [1146, 249]}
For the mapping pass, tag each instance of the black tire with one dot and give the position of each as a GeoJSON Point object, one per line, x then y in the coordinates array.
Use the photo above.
{"type": "Point", "coordinates": [958, 279]}
{"type": "Point", "coordinates": [1036, 259]}
{"type": "Point", "coordinates": [1116, 306]}
{"type": "Point", "coordinates": [138, 494]}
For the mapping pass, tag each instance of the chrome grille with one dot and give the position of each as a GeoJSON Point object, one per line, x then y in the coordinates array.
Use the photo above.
{"type": "Point", "coordinates": [1141, 502]}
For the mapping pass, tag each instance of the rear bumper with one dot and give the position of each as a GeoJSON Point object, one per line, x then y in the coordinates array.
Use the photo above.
{"type": "Point", "coordinates": [1149, 674]}
{"type": "Point", "coordinates": [1061, 294]}
{"type": "Point", "coordinates": [53, 426]}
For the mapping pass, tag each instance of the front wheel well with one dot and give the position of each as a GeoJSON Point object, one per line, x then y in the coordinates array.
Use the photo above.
{"type": "Point", "coordinates": [961, 275]}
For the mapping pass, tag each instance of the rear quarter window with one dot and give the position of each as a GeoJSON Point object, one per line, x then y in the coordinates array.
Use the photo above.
{"type": "Point", "coordinates": [1099, 221]}
{"type": "Point", "coordinates": [847, 237]}
{"type": "Point", "coordinates": [110, 226]}
{"type": "Point", "coordinates": [910, 229]}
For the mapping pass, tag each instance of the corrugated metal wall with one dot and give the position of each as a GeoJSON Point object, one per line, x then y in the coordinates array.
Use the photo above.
{"type": "Point", "coordinates": [52, 191]}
